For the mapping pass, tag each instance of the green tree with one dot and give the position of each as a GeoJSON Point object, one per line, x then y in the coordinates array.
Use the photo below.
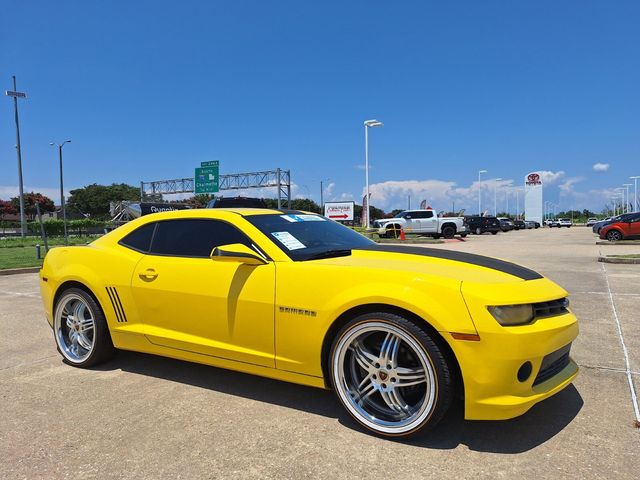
{"type": "Point", "coordinates": [94, 199]}
{"type": "Point", "coordinates": [30, 200]}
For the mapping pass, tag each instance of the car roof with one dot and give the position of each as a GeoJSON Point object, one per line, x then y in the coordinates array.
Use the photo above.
{"type": "Point", "coordinates": [214, 213]}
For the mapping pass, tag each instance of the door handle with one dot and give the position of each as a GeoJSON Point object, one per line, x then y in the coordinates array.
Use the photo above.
{"type": "Point", "coordinates": [148, 275]}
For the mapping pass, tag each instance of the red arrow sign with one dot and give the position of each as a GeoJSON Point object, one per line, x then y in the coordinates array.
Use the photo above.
{"type": "Point", "coordinates": [339, 216]}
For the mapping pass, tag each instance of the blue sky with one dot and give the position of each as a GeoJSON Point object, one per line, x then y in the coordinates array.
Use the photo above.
{"type": "Point", "coordinates": [147, 90]}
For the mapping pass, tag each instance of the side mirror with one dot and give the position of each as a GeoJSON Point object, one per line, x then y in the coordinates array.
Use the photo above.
{"type": "Point", "coordinates": [237, 252]}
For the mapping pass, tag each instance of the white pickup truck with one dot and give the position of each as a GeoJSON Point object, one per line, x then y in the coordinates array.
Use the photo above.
{"type": "Point", "coordinates": [422, 222]}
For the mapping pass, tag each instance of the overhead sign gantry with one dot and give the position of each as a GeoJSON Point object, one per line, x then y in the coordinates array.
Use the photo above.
{"type": "Point", "coordinates": [281, 179]}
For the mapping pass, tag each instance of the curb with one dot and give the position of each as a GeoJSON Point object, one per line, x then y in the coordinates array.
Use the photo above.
{"type": "Point", "coordinates": [415, 242]}
{"type": "Point", "coordinates": [621, 242]}
{"type": "Point", "coordinates": [625, 260]}
{"type": "Point", "coordinates": [18, 271]}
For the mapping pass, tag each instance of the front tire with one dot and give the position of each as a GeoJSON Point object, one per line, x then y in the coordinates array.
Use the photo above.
{"type": "Point", "coordinates": [614, 235]}
{"type": "Point", "coordinates": [390, 375]}
{"type": "Point", "coordinates": [80, 329]}
{"type": "Point", "coordinates": [478, 231]}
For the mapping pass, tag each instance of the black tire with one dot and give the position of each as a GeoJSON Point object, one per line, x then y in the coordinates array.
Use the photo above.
{"type": "Point", "coordinates": [478, 231]}
{"type": "Point", "coordinates": [463, 235]}
{"type": "Point", "coordinates": [439, 376]}
{"type": "Point", "coordinates": [494, 233]}
{"type": "Point", "coordinates": [448, 231]}
{"type": "Point", "coordinates": [102, 348]}
{"type": "Point", "coordinates": [614, 235]}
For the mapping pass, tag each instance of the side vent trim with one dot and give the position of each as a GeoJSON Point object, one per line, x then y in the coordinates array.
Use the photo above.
{"type": "Point", "coordinates": [116, 304]}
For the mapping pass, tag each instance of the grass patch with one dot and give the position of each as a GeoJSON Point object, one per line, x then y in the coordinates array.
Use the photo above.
{"type": "Point", "coordinates": [9, 242]}
{"type": "Point", "coordinates": [630, 255]}
{"type": "Point", "coordinates": [19, 257]}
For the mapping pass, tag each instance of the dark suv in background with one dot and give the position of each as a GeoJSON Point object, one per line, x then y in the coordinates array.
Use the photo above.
{"type": "Point", "coordinates": [480, 225]}
{"type": "Point", "coordinates": [236, 202]}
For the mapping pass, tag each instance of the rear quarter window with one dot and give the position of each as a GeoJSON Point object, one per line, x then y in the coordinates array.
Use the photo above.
{"type": "Point", "coordinates": [140, 238]}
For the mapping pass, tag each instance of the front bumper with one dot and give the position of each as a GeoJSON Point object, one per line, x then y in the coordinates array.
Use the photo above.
{"type": "Point", "coordinates": [491, 367]}
{"type": "Point", "coordinates": [490, 370]}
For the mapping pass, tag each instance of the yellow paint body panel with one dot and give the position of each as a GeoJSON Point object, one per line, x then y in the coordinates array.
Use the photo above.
{"type": "Point", "coordinates": [273, 319]}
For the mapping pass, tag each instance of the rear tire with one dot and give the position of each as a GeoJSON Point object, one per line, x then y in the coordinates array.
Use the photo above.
{"type": "Point", "coordinates": [448, 231]}
{"type": "Point", "coordinates": [494, 233]}
{"type": "Point", "coordinates": [389, 375]}
{"type": "Point", "coordinates": [80, 329]}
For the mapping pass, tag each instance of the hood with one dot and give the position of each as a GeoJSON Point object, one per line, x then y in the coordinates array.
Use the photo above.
{"type": "Point", "coordinates": [450, 264]}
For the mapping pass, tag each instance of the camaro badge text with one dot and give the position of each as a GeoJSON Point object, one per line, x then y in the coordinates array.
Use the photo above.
{"type": "Point", "coordinates": [298, 311]}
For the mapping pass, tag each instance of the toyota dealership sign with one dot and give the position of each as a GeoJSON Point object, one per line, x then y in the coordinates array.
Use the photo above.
{"type": "Point", "coordinates": [533, 197]}
{"type": "Point", "coordinates": [341, 211]}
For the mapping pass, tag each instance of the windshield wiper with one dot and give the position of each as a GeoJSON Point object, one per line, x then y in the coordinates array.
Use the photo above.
{"type": "Point", "coordinates": [330, 253]}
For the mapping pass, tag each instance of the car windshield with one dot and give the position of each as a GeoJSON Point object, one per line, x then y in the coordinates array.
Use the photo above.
{"type": "Point", "coordinates": [398, 215]}
{"type": "Point", "coordinates": [308, 236]}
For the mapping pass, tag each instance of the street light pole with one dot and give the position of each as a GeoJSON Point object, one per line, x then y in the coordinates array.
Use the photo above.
{"type": "Point", "coordinates": [15, 94]}
{"type": "Point", "coordinates": [635, 195]}
{"type": "Point", "coordinates": [626, 186]}
{"type": "Point", "coordinates": [480, 172]}
{"type": "Point", "coordinates": [322, 193]}
{"type": "Point", "coordinates": [368, 124]}
{"type": "Point", "coordinates": [495, 196]}
{"type": "Point", "coordinates": [62, 206]}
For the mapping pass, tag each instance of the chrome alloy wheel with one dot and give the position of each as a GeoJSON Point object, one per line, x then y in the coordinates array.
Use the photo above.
{"type": "Point", "coordinates": [384, 377]}
{"type": "Point", "coordinates": [74, 327]}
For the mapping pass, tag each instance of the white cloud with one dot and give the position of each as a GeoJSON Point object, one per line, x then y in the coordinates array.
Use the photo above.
{"type": "Point", "coordinates": [566, 187]}
{"type": "Point", "coordinates": [9, 191]}
{"type": "Point", "coordinates": [548, 177]}
{"type": "Point", "coordinates": [600, 167]}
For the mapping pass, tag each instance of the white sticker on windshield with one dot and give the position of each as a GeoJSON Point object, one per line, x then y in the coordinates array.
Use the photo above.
{"type": "Point", "coordinates": [288, 240]}
{"type": "Point", "coordinates": [303, 218]}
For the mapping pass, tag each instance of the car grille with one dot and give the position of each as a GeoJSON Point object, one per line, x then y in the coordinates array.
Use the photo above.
{"type": "Point", "coordinates": [553, 364]}
{"type": "Point", "coordinates": [551, 308]}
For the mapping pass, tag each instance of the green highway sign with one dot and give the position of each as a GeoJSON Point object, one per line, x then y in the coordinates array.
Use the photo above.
{"type": "Point", "coordinates": [206, 177]}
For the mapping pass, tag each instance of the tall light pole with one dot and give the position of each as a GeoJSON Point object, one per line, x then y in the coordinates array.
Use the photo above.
{"type": "Point", "coordinates": [64, 210]}
{"type": "Point", "coordinates": [480, 172]}
{"type": "Point", "coordinates": [367, 125]}
{"type": "Point", "coordinates": [635, 195]}
{"type": "Point", "coordinates": [517, 203]}
{"type": "Point", "coordinates": [626, 186]}
{"type": "Point", "coordinates": [495, 196]}
{"type": "Point", "coordinates": [15, 94]}
{"type": "Point", "coordinates": [322, 193]}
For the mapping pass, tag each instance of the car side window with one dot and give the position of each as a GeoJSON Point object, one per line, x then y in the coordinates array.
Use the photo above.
{"type": "Point", "coordinates": [194, 237]}
{"type": "Point", "coordinates": [140, 238]}
{"type": "Point", "coordinates": [427, 214]}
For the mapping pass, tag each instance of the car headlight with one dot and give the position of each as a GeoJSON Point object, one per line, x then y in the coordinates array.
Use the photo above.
{"type": "Point", "coordinates": [508, 315]}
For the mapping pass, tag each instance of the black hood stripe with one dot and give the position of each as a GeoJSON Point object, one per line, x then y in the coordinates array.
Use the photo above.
{"type": "Point", "coordinates": [482, 261]}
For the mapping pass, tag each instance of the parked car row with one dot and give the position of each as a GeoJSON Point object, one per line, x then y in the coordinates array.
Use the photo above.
{"type": "Point", "coordinates": [622, 227]}
{"type": "Point", "coordinates": [480, 225]}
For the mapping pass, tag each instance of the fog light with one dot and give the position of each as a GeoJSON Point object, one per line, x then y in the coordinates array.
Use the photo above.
{"type": "Point", "coordinates": [524, 372]}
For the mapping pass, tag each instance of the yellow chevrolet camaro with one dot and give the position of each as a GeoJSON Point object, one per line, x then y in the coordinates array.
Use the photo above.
{"type": "Point", "coordinates": [395, 331]}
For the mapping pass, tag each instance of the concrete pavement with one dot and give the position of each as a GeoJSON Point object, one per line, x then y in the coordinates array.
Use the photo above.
{"type": "Point", "coordinates": [141, 416]}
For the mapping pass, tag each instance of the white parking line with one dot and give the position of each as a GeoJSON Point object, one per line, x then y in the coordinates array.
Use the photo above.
{"type": "Point", "coordinates": [634, 397]}
{"type": "Point", "coordinates": [20, 294]}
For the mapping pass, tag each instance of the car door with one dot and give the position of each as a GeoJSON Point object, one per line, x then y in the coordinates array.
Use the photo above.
{"type": "Point", "coordinates": [634, 226]}
{"type": "Point", "coordinates": [190, 302]}
{"type": "Point", "coordinates": [428, 222]}
{"type": "Point", "coordinates": [412, 222]}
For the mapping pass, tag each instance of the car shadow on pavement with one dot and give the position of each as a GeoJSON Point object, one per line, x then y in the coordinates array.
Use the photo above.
{"type": "Point", "coordinates": [541, 423]}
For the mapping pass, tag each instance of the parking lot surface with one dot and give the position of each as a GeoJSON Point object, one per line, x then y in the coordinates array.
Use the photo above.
{"type": "Point", "coordinates": [141, 416]}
